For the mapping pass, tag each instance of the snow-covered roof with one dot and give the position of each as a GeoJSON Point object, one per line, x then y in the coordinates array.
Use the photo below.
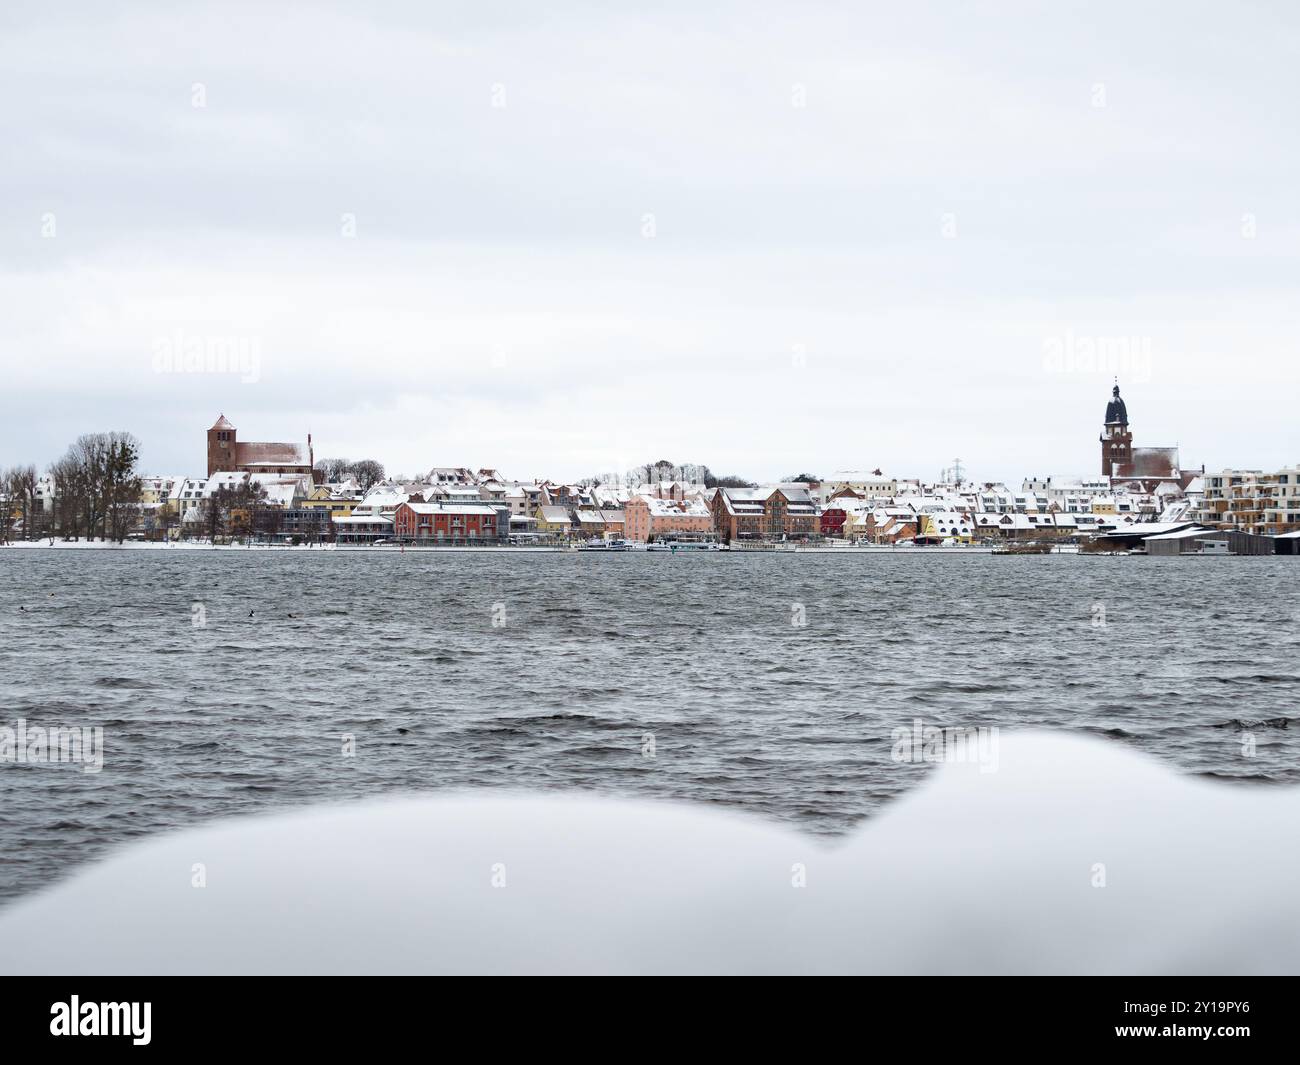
{"type": "Point", "coordinates": [360, 519]}
{"type": "Point", "coordinates": [1180, 534]}
{"type": "Point", "coordinates": [661, 508]}
{"type": "Point", "coordinates": [449, 508]}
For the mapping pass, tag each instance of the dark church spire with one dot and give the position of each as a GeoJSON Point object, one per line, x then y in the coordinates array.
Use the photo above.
{"type": "Point", "coordinates": [1116, 412]}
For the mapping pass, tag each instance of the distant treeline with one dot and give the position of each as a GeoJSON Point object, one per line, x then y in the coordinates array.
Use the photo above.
{"type": "Point", "coordinates": [366, 472]}
{"type": "Point", "coordinates": [666, 470]}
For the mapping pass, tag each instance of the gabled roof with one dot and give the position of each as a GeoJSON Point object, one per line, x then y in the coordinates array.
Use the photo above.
{"type": "Point", "coordinates": [221, 423]}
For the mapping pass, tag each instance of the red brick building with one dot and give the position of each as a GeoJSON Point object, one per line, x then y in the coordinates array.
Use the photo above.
{"type": "Point", "coordinates": [771, 513]}
{"type": "Point", "coordinates": [227, 454]}
{"type": "Point", "coordinates": [450, 522]}
{"type": "Point", "coordinates": [1145, 467]}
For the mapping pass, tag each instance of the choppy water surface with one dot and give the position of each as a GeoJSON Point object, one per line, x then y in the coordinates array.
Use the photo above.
{"type": "Point", "coordinates": [1196, 663]}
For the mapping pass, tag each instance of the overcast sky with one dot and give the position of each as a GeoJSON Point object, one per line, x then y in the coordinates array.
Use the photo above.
{"type": "Point", "coordinates": [768, 237]}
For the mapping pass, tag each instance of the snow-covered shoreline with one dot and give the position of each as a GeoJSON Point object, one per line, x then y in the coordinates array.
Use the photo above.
{"type": "Point", "coordinates": [391, 549]}
{"type": "Point", "coordinates": [184, 545]}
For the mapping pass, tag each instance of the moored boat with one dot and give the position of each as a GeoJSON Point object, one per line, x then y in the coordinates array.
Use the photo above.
{"type": "Point", "coordinates": [597, 544]}
{"type": "Point", "coordinates": [684, 545]}
{"type": "Point", "coordinates": [1024, 549]}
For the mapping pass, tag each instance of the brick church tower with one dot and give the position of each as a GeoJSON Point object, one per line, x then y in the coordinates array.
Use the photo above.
{"type": "Point", "coordinates": [221, 447]}
{"type": "Point", "coordinates": [1116, 440]}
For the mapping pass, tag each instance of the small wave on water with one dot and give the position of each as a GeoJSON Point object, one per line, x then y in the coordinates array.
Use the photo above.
{"type": "Point", "coordinates": [129, 683]}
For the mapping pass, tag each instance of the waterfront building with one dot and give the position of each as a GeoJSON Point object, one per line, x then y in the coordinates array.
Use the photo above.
{"type": "Point", "coordinates": [614, 521]}
{"type": "Point", "coordinates": [588, 523]}
{"type": "Point", "coordinates": [937, 526]}
{"type": "Point", "coordinates": [648, 518]}
{"type": "Point", "coordinates": [450, 522]}
{"type": "Point", "coordinates": [554, 520]}
{"type": "Point", "coordinates": [1251, 501]}
{"type": "Point", "coordinates": [361, 527]}
{"type": "Point", "coordinates": [303, 524]}
{"type": "Point", "coordinates": [773, 512]}
{"type": "Point", "coordinates": [330, 500]}
{"type": "Point", "coordinates": [831, 521]}
{"type": "Point", "coordinates": [1282, 508]}
{"type": "Point", "coordinates": [887, 525]}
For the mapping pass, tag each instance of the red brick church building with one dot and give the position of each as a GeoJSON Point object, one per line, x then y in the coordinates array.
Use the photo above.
{"type": "Point", "coordinates": [227, 454]}
{"type": "Point", "coordinates": [1125, 464]}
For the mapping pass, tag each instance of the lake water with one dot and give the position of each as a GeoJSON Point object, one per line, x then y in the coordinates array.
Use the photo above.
{"type": "Point", "coordinates": [225, 681]}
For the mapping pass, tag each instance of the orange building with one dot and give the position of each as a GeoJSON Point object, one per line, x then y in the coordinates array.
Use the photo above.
{"type": "Point", "coordinates": [646, 518]}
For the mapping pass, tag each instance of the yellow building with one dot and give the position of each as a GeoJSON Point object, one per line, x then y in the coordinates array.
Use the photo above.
{"type": "Point", "coordinates": [944, 526]}
{"type": "Point", "coordinates": [554, 521]}
{"type": "Point", "coordinates": [320, 498]}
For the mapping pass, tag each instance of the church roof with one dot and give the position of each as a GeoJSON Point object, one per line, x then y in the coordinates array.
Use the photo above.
{"type": "Point", "coordinates": [1148, 462]}
{"type": "Point", "coordinates": [1116, 412]}
{"type": "Point", "coordinates": [270, 454]}
{"type": "Point", "coordinates": [221, 423]}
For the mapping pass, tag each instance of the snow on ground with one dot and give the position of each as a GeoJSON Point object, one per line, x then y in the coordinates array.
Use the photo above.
{"type": "Point", "coordinates": [1074, 856]}
{"type": "Point", "coordinates": [144, 545]}
{"type": "Point", "coordinates": [150, 545]}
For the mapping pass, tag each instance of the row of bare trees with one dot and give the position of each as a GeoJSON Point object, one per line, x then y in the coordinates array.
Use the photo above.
{"type": "Point", "coordinates": [96, 491]}
{"type": "Point", "coordinates": [666, 470]}
{"type": "Point", "coordinates": [366, 472]}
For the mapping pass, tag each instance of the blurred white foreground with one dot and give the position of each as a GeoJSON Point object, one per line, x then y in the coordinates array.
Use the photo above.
{"type": "Point", "coordinates": [971, 873]}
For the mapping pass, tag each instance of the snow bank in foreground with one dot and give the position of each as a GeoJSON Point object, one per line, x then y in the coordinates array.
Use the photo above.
{"type": "Point", "coordinates": [973, 872]}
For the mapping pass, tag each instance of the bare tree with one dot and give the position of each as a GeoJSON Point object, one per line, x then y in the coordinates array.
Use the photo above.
{"type": "Point", "coordinates": [230, 508]}
{"type": "Point", "coordinates": [334, 469]}
{"type": "Point", "coordinates": [22, 484]}
{"type": "Point", "coordinates": [90, 452]}
{"type": "Point", "coordinates": [8, 503]}
{"type": "Point", "coordinates": [268, 520]}
{"type": "Point", "coordinates": [729, 480]}
{"type": "Point", "coordinates": [70, 488]}
{"type": "Point", "coordinates": [368, 472]}
{"type": "Point", "coordinates": [121, 485]}
{"type": "Point", "coordinates": [166, 518]}
{"type": "Point", "coordinates": [665, 470]}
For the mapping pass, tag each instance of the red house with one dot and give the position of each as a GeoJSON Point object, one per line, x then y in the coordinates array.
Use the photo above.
{"type": "Point", "coordinates": [450, 522]}
{"type": "Point", "coordinates": [832, 521]}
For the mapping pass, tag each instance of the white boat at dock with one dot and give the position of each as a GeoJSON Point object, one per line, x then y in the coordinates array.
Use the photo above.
{"type": "Point", "coordinates": [597, 544]}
